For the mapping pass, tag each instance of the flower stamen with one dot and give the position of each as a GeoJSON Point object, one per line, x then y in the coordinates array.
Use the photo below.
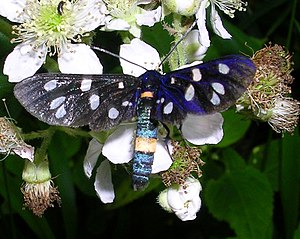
{"type": "Point", "coordinates": [230, 6]}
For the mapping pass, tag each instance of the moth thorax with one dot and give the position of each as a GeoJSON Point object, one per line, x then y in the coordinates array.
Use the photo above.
{"type": "Point", "coordinates": [150, 81]}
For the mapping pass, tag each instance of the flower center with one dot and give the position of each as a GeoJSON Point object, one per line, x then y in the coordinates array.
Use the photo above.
{"type": "Point", "coordinates": [52, 23]}
{"type": "Point", "coordinates": [122, 9]}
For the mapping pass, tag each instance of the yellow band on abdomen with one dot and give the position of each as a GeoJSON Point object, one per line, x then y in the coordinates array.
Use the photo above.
{"type": "Point", "coordinates": [147, 94]}
{"type": "Point", "coordinates": [146, 145]}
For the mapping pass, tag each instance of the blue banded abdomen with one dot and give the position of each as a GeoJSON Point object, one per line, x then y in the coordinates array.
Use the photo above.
{"type": "Point", "coordinates": [145, 142]}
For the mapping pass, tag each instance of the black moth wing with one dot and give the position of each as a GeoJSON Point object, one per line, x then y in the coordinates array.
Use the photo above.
{"type": "Point", "coordinates": [100, 101]}
{"type": "Point", "coordinates": [203, 89]}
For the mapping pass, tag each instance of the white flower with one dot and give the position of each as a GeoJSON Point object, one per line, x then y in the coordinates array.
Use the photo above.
{"type": "Point", "coordinates": [149, 58]}
{"type": "Point", "coordinates": [198, 8]}
{"type": "Point", "coordinates": [126, 15]}
{"type": "Point", "coordinates": [123, 135]}
{"type": "Point", "coordinates": [52, 26]}
{"type": "Point", "coordinates": [284, 116]}
{"type": "Point", "coordinates": [227, 6]}
{"type": "Point", "coordinates": [183, 200]}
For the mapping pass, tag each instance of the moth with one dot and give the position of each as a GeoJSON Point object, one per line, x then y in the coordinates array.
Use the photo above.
{"type": "Point", "coordinates": [104, 101]}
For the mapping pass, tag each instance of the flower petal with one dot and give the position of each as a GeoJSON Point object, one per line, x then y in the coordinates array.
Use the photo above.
{"type": "Point", "coordinates": [13, 10]}
{"type": "Point", "coordinates": [123, 136]}
{"type": "Point", "coordinates": [24, 61]}
{"type": "Point", "coordinates": [201, 130]}
{"type": "Point", "coordinates": [117, 24]}
{"type": "Point", "coordinates": [185, 201]}
{"type": "Point", "coordinates": [163, 200]}
{"type": "Point", "coordinates": [143, 2]}
{"type": "Point", "coordinates": [217, 25]}
{"type": "Point", "coordinates": [25, 151]}
{"type": "Point", "coordinates": [79, 59]}
{"type": "Point", "coordinates": [149, 18]}
{"type": "Point", "coordinates": [103, 183]}
{"type": "Point", "coordinates": [93, 13]}
{"type": "Point", "coordinates": [149, 59]}
{"type": "Point", "coordinates": [195, 51]}
{"type": "Point", "coordinates": [91, 157]}
{"type": "Point", "coordinates": [162, 157]}
{"type": "Point", "coordinates": [201, 22]}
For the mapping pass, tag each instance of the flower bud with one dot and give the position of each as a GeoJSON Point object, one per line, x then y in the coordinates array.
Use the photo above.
{"type": "Point", "coordinates": [182, 7]}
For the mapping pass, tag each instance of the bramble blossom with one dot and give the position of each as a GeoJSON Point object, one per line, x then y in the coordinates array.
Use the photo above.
{"type": "Point", "coordinates": [54, 27]}
{"type": "Point", "coordinates": [127, 15]}
{"type": "Point", "coordinates": [184, 200]}
{"type": "Point", "coordinates": [199, 7]}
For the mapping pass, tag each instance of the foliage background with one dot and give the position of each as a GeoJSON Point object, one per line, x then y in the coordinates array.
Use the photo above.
{"type": "Point", "coordinates": [251, 179]}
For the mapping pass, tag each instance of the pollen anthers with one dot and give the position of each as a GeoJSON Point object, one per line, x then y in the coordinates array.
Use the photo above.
{"type": "Point", "coordinates": [230, 6]}
{"type": "Point", "coordinates": [48, 24]}
{"type": "Point", "coordinates": [186, 161]}
{"type": "Point", "coordinates": [38, 188]}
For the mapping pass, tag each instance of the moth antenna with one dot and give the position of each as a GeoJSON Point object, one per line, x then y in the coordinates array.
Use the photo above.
{"type": "Point", "coordinates": [177, 43]}
{"type": "Point", "coordinates": [117, 56]}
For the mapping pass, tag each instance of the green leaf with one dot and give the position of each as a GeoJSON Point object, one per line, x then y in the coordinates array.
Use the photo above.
{"type": "Point", "coordinates": [240, 43]}
{"type": "Point", "coordinates": [60, 164]}
{"type": "Point", "coordinates": [290, 182]}
{"type": "Point", "coordinates": [235, 126]}
{"type": "Point", "coordinates": [243, 198]}
{"type": "Point", "coordinates": [162, 43]}
{"type": "Point", "coordinates": [125, 194]}
{"type": "Point", "coordinates": [13, 203]}
{"type": "Point", "coordinates": [297, 233]}
{"type": "Point", "coordinates": [266, 158]}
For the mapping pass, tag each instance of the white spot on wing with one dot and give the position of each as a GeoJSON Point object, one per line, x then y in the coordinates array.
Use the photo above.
{"type": "Point", "coordinates": [57, 102]}
{"type": "Point", "coordinates": [215, 99]}
{"type": "Point", "coordinates": [196, 74]}
{"type": "Point", "coordinates": [189, 93]}
{"type": "Point", "coordinates": [162, 100]}
{"type": "Point", "coordinates": [94, 101]}
{"type": "Point", "coordinates": [168, 108]}
{"type": "Point", "coordinates": [223, 68]}
{"type": "Point", "coordinates": [121, 85]}
{"type": "Point", "coordinates": [125, 103]}
{"type": "Point", "coordinates": [50, 85]}
{"type": "Point", "coordinates": [218, 87]}
{"type": "Point", "coordinates": [113, 113]}
{"type": "Point", "coordinates": [86, 85]}
{"type": "Point", "coordinates": [172, 80]}
{"type": "Point", "coordinates": [61, 112]}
